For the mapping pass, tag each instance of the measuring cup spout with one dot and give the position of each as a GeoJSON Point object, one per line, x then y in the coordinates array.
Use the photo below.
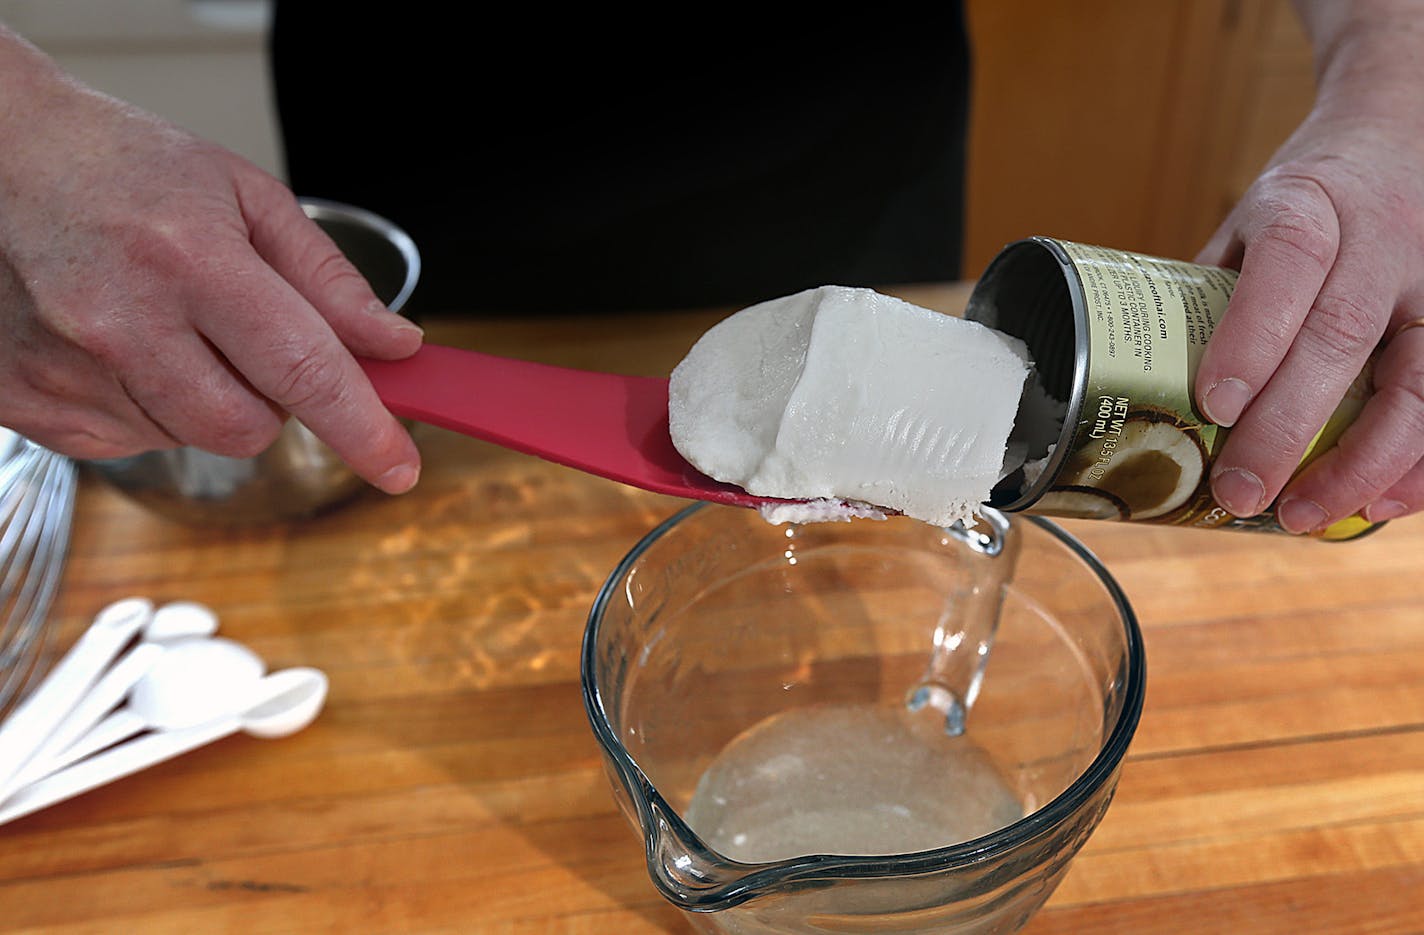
{"type": "Point", "coordinates": [681, 866]}
{"type": "Point", "coordinates": [691, 875]}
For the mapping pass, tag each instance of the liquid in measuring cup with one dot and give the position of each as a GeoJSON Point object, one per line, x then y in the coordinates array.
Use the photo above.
{"type": "Point", "coordinates": [850, 780]}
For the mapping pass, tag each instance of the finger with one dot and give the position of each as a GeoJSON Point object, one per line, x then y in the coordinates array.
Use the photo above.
{"type": "Point", "coordinates": [82, 431]}
{"type": "Point", "coordinates": [1384, 444]}
{"type": "Point", "coordinates": [1402, 499]}
{"type": "Point", "coordinates": [292, 356]}
{"type": "Point", "coordinates": [307, 258]}
{"type": "Point", "coordinates": [1333, 344]}
{"type": "Point", "coordinates": [1329, 352]}
{"type": "Point", "coordinates": [145, 369]}
{"type": "Point", "coordinates": [217, 410]}
{"type": "Point", "coordinates": [1290, 238]}
{"type": "Point", "coordinates": [66, 402]}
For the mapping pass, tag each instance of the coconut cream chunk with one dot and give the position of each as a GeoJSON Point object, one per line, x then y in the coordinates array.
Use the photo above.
{"type": "Point", "coordinates": [846, 394]}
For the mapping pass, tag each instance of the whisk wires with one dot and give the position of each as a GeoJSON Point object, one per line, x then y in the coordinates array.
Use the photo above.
{"type": "Point", "coordinates": [37, 489]}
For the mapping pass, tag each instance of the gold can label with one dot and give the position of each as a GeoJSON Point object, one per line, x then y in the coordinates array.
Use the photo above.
{"type": "Point", "coordinates": [1139, 450]}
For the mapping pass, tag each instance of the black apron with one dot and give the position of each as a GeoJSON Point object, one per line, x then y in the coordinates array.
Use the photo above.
{"type": "Point", "coordinates": [546, 162]}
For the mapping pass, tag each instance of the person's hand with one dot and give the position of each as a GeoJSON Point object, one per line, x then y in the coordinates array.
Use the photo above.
{"type": "Point", "coordinates": [157, 290]}
{"type": "Point", "coordinates": [1330, 245]}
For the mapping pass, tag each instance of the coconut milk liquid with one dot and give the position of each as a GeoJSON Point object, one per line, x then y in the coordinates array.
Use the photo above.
{"type": "Point", "coordinates": [850, 780]}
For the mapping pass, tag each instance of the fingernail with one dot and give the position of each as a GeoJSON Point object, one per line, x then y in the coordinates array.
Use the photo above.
{"type": "Point", "coordinates": [1385, 509]}
{"type": "Point", "coordinates": [401, 323]}
{"type": "Point", "coordinates": [399, 479]}
{"type": "Point", "coordinates": [1224, 402]}
{"type": "Point", "coordinates": [1239, 491]}
{"type": "Point", "coordinates": [1299, 515]}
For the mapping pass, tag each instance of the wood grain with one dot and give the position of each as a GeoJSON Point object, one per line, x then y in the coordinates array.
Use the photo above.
{"type": "Point", "coordinates": [1126, 124]}
{"type": "Point", "coordinates": [1276, 784]}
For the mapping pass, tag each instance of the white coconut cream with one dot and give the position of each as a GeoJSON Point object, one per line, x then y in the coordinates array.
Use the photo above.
{"type": "Point", "coordinates": [844, 394]}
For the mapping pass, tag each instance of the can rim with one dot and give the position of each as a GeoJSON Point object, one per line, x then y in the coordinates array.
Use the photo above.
{"type": "Point", "coordinates": [1029, 494]}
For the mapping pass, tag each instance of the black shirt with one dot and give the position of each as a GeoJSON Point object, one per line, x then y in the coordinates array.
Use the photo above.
{"type": "Point", "coordinates": [568, 161]}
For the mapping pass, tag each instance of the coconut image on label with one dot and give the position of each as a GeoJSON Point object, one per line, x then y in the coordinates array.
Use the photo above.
{"type": "Point", "coordinates": [1082, 502]}
{"type": "Point", "coordinates": [1151, 464]}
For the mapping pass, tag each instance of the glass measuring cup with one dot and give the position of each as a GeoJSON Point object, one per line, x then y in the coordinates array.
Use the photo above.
{"type": "Point", "coordinates": [718, 630]}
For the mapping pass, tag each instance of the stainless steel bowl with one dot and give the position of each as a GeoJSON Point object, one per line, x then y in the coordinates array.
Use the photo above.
{"type": "Point", "coordinates": [298, 476]}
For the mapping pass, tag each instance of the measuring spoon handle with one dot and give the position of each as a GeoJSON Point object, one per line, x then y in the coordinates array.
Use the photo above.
{"type": "Point", "coordinates": [90, 711]}
{"type": "Point", "coordinates": [33, 721]}
{"type": "Point", "coordinates": [115, 763]}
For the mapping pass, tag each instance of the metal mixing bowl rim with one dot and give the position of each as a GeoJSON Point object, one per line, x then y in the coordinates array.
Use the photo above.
{"type": "Point", "coordinates": [318, 209]}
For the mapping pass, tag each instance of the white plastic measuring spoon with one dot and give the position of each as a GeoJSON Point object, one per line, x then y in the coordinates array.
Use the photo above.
{"type": "Point", "coordinates": [277, 705]}
{"type": "Point", "coordinates": [194, 681]}
{"type": "Point", "coordinates": [180, 619]}
{"type": "Point", "coordinates": [36, 718]}
{"type": "Point", "coordinates": [9, 441]}
{"type": "Point", "coordinates": [170, 623]}
{"type": "Point", "coordinates": [100, 699]}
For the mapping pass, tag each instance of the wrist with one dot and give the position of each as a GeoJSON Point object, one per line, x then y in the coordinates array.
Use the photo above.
{"type": "Point", "coordinates": [25, 72]}
{"type": "Point", "coordinates": [1369, 55]}
{"type": "Point", "coordinates": [33, 92]}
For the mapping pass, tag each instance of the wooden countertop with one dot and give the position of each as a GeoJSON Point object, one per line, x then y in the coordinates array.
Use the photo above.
{"type": "Point", "coordinates": [1276, 784]}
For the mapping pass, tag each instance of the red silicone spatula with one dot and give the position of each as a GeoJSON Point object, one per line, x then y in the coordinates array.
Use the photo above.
{"type": "Point", "coordinates": [602, 423]}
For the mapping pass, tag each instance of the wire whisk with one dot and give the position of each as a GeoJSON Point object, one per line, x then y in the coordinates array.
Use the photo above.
{"type": "Point", "coordinates": [37, 490]}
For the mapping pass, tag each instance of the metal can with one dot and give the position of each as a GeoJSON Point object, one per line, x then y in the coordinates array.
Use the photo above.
{"type": "Point", "coordinates": [1118, 337]}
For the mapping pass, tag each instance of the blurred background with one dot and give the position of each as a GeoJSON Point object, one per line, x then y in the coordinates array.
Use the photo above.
{"type": "Point", "coordinates": [200, 63]}
{"type": "Point", "coordinates": [1188, 100]}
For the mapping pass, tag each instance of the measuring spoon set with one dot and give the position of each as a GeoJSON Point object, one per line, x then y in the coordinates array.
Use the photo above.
{"type": "Point", "coordinates": [142, 685]}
